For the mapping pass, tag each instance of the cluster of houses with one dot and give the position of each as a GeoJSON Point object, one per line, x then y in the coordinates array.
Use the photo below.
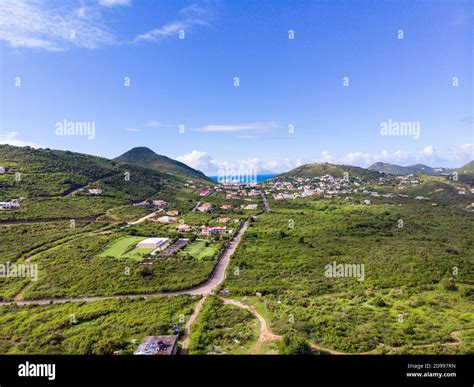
{"type": "Point", "coordinates": [329, 186]}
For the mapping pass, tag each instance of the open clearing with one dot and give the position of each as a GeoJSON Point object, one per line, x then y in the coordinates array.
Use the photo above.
{"type": "Point", "coordinates": [199, 251]}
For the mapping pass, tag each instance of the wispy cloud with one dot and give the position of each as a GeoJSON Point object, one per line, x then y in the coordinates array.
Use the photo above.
{"type": "Point", "coordinates": [132, 129]}
{"type": "Point", "coordinates": [50, 26]}
{"type": "Point", "coordinates": [189, 17]}
{"type": "Point", "coordinates": [258, 126]}
{"type": "Point", "coordinates": [11, 138]}
{"type": "Point", "coordinates": [57, 25]}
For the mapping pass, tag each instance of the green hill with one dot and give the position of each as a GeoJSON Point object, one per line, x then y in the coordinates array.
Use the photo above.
{"type": "Point", "coordinates": [467, 168]}
{"type": "Point", "coordinates": [392, 169]}
{"type": "Point", "coordinates": [147, 158]}
{"type": "Point", "coordinates": [313, 170]}
{"type": "Point", "coordinates": [48, 173]}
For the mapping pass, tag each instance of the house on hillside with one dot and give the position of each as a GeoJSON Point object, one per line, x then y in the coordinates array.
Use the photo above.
{"type": "Point", "coordinates": [172, 213]}
{"type": "Point", "coordinates": [158, 345]}
{"type": "Point", "coordinates": [166, 219]}
{"type": "Point", "coordinates": [2, 170]}
{"type": "Point", "coordinates": [159, 203]}
{"type": "Point", "coordinates": [95, 191]}
{"type": "Point", "coordinates": [184, 228]}
{"type": "Point", "coordinates": [205, 207]}
{"type": "Point", "coordinates": [205, 192]}
{"type": "Point", "coordinates": [213, 230]}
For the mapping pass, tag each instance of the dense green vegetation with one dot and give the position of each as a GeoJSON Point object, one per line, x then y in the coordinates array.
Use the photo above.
{"type": "Point", "coordinates": [404, 272]}
{"type": "Point", "coordinates": [100, 327]}
{"type": "Point", "coordinates": [223, 329]}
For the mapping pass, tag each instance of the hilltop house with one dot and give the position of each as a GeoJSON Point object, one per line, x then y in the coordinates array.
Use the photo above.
{"type": "Point", "coordinates": [159, 203]}
{"type": "Point", "coordinates": [158, 345]}
{"type": "Point", "coordinates": [172, 213]}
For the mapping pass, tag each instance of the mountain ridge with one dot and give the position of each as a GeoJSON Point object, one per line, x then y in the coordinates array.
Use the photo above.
{"type": "Point", "coordinates": [146, 157]}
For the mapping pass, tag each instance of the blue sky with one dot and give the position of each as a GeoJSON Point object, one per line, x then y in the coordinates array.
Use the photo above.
{"type": "Point", "coordinates": [408, 62]}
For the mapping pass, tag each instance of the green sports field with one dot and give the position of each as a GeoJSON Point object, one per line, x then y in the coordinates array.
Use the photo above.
{"type": "Point", "coordinates": [199, 250]}
{"type": "Point", "coordinates": [124, 248]}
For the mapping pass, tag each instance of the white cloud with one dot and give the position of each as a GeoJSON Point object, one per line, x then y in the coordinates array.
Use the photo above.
{"type": "Point", "coordinates": [191, 16]}
{"type": "Point", "coordinates": [114, 3]}
{"type": "Point", "coordinates": [198, 160]}
{"type": "Point", "coordinates": [56, 25]}
{"type": "Point", "coordinates": [50, 26]}
{"type": "Point", "coordinates": [132, 130]}
{"type": "Point", "coordinates": [244, 127]}
{"type": "Point", "coordinates": [428, 151]}
{"type": "Point", "coordinates": [11, 138]}
{"type": "Point", "coordinates": [204, 162]}
{"type": "Point", "coordinates": [326, 157]}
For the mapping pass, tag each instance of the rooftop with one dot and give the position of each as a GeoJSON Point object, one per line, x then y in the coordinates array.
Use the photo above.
{"type": "Point", "coordinates": [158, 345]}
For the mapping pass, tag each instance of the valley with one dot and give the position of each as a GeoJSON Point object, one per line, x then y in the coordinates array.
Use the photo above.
{"type": "Point", "coordinates": [112, 239]}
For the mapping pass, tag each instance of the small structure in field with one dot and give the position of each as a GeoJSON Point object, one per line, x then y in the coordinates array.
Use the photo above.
{"type": "Point", "coordinates": [158, 345]}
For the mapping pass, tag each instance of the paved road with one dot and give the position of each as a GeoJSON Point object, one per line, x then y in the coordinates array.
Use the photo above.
{"type": "Point", "coordinates": [216, 278]}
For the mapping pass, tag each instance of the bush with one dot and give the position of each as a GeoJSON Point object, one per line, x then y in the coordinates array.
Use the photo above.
{"type": "Point", "coordinates": [448, 284]}
{"type": "Point", "coordinates": [293, 345]}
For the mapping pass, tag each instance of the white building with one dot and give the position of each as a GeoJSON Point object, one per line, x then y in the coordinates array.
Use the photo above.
{"type": "Point", "coordinates": [158, 244]}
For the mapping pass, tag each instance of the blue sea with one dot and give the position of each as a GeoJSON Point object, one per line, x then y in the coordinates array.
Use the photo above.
{"type": "Point", "coordinates": [260, 178]}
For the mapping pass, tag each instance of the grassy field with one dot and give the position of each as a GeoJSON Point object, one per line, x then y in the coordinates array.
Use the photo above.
{"type": "Point", "coordinates": [100, 327]}
{"type": "Point", "coordinates": [199, 251]}
{"type": "Point", "coordinates": [125, 248]}
{"type": "Point", "coordinates": [223, 329]}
